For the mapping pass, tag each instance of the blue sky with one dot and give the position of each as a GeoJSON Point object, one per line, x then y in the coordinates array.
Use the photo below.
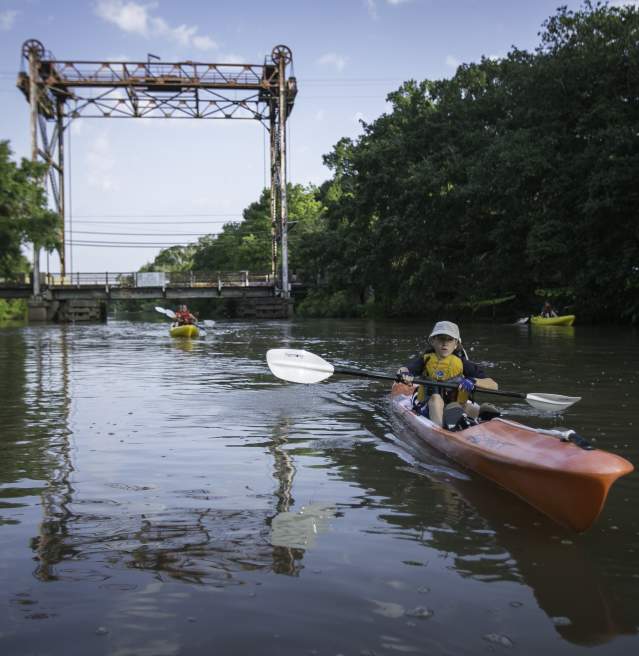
{"type": "Point", "coordinates": [190, 176]}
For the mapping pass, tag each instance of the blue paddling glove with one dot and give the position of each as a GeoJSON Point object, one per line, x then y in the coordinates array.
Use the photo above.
{"type": "Point", "coordinates": [404, 376]}
{"type": "Point", "coordinates": [467, 384]}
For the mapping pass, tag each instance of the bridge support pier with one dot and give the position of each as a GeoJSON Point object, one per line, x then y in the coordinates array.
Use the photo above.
{"type": "Point", "coordinates": [39, 309]}
{"type": "Point", "coordinates": [69, 311]}
{"type": "Point", "coordinates": [263, 308]}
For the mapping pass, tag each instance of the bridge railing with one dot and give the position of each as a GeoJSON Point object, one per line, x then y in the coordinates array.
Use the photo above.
{"type": "Point", "coordinates": [143, 279]}
{"type": "Point", "coordinates": [15, 279]}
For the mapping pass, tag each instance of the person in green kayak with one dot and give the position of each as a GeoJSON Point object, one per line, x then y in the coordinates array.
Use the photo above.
{"type": "Point", "coordinates": [445, 360]}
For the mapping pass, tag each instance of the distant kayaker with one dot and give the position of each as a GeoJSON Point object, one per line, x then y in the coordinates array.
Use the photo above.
{"type": "Point", "coordinates": [446, 360]}
{"type": "Point", "coordinates": [548, 310]}
{"type": "Point", "coordinates": [183, 316]}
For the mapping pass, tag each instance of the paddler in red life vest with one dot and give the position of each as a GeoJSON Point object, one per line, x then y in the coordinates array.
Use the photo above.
{"type": "Point", "coordinates": [183, 316]}
{"type": "Point", "coordinates": [446, 360]}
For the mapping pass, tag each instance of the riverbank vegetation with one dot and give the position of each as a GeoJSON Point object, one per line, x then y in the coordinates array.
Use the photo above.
{"type": "Point", "coordinates": [24, 215]}
{"type": "Point", "coordinates": [516, 175]}
{"type": "Point", "coordinates": [516, 178]}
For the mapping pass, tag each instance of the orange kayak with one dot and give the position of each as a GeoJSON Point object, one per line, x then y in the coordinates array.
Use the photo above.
{"type": "Point", "coordinates": [560, 479]}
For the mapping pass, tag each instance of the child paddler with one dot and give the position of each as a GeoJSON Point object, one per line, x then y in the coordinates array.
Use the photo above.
{"type": "Point", "coordinates": [446, 360]}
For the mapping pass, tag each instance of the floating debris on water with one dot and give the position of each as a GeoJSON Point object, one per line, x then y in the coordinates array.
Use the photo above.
{"type": "Point", "coordinates": [420, 612]}
{"type": "Point", "coordinates": [561, 621]}
{"type": "Point", "coordinates": [498, 639]}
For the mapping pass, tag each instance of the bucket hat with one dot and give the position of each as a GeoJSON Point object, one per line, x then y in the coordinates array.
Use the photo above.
{"type": "Point", "coordinates": [446, 328]}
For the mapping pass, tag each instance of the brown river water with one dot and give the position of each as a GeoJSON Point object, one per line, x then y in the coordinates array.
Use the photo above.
{"type": "Point", "coordinates": [162, 497]}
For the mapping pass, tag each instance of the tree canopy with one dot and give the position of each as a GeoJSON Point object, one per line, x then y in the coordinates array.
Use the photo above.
{"type": "Point", "coordinates": [516, 177]}
{"type": "Point", "coordinates": [518, 174]}
{"type": "Point", "coordinates": [24, 215]}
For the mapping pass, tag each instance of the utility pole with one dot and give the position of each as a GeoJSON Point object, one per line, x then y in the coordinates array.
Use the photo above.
{"type": "Point", "coordinates": [280, 58]}
{"type": "Point", "coordinates": [33, 105]}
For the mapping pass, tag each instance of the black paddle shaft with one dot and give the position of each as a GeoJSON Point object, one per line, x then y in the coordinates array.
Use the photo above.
{"type": "Point", "coordinates": [424, 381]}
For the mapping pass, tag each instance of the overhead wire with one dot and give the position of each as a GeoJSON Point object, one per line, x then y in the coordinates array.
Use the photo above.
{"type": "Point", "coordinates": [179, 218]}
{"type": "Point", "coordinates": [146, 234]}
{"type": "Point", "coordinates": [126, 244]}
{"type": "Point", "coordinates": [148, 215]}
{"type": "Point", "coordinates": [148, 222]}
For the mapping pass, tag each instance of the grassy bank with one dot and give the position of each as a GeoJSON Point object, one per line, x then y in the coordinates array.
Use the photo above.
{"type": "Point", "coordinates": [15, 309]}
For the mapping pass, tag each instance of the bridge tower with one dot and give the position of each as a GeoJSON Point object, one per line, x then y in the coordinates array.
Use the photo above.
{"type": "Point", "coordinates": [59, 91]}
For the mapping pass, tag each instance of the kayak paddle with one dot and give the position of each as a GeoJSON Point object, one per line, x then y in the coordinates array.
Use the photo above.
{"type": "Point", "coordinates": [299, 366]}
{"type": "Point", "coordinates": [171, 315]}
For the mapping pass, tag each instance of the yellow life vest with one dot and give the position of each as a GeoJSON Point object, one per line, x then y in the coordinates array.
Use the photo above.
{"type": "Point", "coordinates": [443, 369]}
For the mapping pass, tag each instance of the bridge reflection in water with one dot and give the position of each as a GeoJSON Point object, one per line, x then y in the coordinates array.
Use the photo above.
{"type": "Point", "coordinates": [199, 544]}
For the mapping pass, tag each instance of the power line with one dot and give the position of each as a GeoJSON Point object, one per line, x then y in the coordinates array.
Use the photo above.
{"type": "Point", "coordinates": [124, 244]}
{"type": "Point", "coordinates": [149, 215]}
{"type": "Point", "coordinates": [146, 234]}
{"type": "Point", "coordinates": [147, 222]}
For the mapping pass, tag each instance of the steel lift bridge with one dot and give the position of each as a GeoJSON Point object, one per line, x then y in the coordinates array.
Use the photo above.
{"type": "Point", "coordinates": [59, 91]}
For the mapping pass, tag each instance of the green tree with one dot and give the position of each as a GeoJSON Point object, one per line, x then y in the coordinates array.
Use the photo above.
{"type": "Point", "coordinates": [515, 174]}
{"type": "Point", "coordinates": [24, 216]}
{"type": "Point", "coordinates": [175, 258]}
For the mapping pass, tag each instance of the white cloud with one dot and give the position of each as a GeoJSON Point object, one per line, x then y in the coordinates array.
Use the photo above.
{"type": "Point", "coordinates": [451, 61]}
{"type": "Point", "coordinates": [320, 114]}
{"type": "Point", "coordinates": [204, 43]}
{"type": "Point", "coordinates": [332, 59]}
{"type": "Point", "coordinates": [7, 19]}
{"type": "Point", "coordinates": [371, 6]}
{"type": "Point", "coordinates": [137, 18]}
{"type": "Point", "coordinates": [128, 16]}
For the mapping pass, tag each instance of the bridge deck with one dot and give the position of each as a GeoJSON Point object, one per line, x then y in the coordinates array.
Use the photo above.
{"type": "Point", "coordinates": [115, 286]}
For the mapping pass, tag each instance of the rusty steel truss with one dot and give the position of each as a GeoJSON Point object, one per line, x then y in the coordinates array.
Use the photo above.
{"type": "Point", "coordinates": [60, 91]}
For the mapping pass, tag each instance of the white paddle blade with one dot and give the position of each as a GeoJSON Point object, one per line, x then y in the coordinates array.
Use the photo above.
{"type": "Point", "coordinates": [168, 313]}
{"type": "Point", "coordinates": [551, 402]}
{"type": "Point", "coordinates": [298, 366]}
